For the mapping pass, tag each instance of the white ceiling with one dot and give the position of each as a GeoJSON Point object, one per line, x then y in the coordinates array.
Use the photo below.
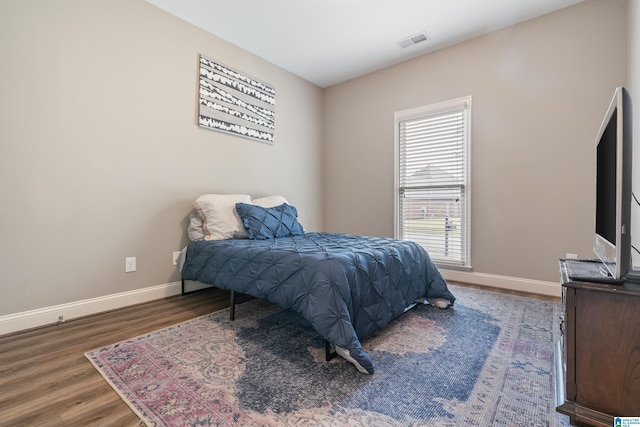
{"type": "Point", "coordinates": [330, 41]}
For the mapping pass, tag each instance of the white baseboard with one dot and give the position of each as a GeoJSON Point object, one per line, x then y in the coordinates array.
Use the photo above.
{"type": "Point", "coordinates": [504, 282]}
{"type": "Point", "coordinates": [50, 315]}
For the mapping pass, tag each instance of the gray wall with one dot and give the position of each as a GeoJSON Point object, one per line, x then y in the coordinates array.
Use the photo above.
{"type": "Point", "coordinates": [100, 157]}
{"type": "Point", "coordinates": [540, 90]}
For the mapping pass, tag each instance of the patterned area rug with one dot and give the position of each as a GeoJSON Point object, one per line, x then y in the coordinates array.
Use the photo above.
{"type": "Point", "coordinates": [488, 361]}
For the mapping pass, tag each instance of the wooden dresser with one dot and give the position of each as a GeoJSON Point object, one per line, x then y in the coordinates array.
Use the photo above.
{"type": "Point", "coordinates": [600, 351]}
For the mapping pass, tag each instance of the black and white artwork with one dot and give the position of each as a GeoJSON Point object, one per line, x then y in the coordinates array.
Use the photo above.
{"type": "Point", "coordinates": [232, 102]}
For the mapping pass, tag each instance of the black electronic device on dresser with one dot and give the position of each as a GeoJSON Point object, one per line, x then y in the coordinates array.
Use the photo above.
{"type": "Point", "coordinates": [598, 358]}
{"type": "Point", "coordinates": [613, 191]}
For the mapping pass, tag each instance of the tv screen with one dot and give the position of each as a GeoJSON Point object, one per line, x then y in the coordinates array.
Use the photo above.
{"type": "Point", "coordinates": [612, 241]}
{"type": "Point", "coordinates": [606, 177]}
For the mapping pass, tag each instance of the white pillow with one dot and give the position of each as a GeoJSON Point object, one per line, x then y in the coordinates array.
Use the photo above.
{"type": "Point", "coordinates": [269, 201]}
{"type": "Point", "coordinates": [194, 229]}
{"type": "Point", "coordinates": [220, 221]}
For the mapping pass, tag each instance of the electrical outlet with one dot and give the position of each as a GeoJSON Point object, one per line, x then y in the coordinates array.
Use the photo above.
{"type": "Point", "coordinates": [176, 255]}
{"type": "Point", "coordinates": [130, 264]}
{"type": "Point", "coordinates": [572, 256]}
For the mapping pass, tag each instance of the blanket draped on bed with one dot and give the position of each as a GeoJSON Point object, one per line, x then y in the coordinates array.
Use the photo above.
{"type": "Point", "coordinates": [346, 286]}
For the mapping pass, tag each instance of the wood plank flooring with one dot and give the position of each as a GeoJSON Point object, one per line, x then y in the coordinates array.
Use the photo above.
{"type": "Point", "coordinates": [45, 380]}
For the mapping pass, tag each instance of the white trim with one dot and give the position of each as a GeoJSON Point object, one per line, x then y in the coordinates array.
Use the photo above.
{"type": "Point", "coordinates": [505, 282]}
{"type": "Point", "coordinates": [50, 315]}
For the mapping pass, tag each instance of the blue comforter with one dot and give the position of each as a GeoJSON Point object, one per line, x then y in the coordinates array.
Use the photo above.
{"type": "Point", "coordinates": [347, 286]}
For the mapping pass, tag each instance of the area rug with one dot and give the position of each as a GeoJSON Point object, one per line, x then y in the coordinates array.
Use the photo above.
{"type": "Point", "coordinates": [488, 361]}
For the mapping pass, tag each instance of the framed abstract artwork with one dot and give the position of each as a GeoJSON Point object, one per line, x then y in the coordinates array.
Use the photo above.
{"type": "Point", "coordinates": [232, 102]}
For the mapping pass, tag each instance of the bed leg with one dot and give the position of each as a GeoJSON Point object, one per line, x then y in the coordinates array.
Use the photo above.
{"type": "Point", "coordinates": [232, 306]}
{"type": "Point", "coordinates": [329, 351]}
{"type": "Point", "coordinates": [182, 286]}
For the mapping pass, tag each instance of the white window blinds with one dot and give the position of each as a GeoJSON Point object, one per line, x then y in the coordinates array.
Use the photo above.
{"type": "Point", "coordinates": [432, 176]}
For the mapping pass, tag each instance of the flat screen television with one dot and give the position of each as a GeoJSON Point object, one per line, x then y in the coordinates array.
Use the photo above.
{"type": "Point", "coordinates": [612, 239]}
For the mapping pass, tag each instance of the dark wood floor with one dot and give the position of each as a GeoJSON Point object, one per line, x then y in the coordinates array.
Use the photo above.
{"type": "Point", "coordinates": [45, 380]}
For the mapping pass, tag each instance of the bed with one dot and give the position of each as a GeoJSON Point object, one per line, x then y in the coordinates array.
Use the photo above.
{"type": "Point", "coordinates": [346, 286]}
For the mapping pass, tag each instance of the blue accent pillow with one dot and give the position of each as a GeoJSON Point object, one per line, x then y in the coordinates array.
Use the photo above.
{"type": "Point", "coordinates": [269, 223]}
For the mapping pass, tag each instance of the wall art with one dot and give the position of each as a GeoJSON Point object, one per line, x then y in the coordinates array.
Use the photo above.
{"type": "Point", "coordinates": [232, 102]}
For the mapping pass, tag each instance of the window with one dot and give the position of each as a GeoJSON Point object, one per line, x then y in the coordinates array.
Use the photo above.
{"type": "Point", "coordinates": [432, 179]}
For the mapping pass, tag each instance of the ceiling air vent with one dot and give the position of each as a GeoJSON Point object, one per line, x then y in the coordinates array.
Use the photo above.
{"type": "Point", "coordinates": [414, 39]}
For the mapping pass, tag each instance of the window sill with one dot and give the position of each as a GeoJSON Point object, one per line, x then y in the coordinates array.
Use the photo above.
{"type": "Point", "coordinates": [456, 267]}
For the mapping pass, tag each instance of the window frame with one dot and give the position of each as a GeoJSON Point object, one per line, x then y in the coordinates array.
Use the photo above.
{"type": "Point", "coordinates": [463, 104]}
